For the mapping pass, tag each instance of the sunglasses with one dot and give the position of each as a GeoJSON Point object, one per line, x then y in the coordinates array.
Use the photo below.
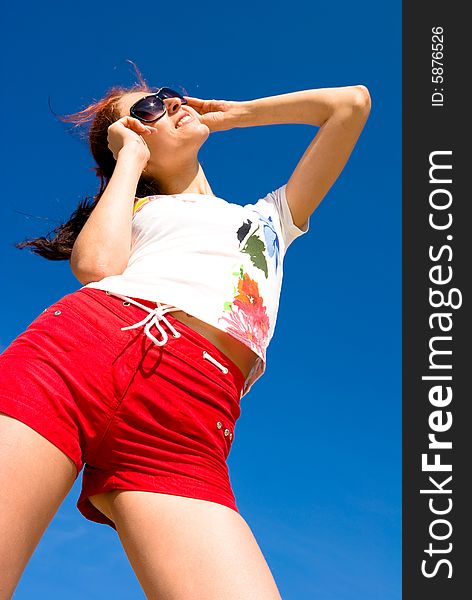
{"type": "Point", "coordinates": [151, 108]}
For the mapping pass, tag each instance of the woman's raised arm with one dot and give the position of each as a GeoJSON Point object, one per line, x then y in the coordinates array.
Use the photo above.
{"type": "Point", "coordinates": [340, 112]}
{"type": "Point", "coordinates": [103, 246]}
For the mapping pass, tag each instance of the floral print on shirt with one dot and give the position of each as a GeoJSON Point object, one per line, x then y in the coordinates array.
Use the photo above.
{"type": "Point", "coordinates": [255, 247]}
{"type": "Point", "coordinates": [246, 317]}
{"type": "Point", "coordinates": [271, 237]}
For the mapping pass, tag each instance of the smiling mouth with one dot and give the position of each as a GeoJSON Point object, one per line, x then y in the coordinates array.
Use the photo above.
{"type": "Point", "coordinates": [184, 120]}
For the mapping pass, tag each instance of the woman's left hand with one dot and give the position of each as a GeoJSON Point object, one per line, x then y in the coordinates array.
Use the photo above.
{"type": "Point", "coordinates": [217, 115]}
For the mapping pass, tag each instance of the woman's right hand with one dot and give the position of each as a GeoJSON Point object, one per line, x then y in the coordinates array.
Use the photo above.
{"type": "Point", "coordinates": [127, 132]}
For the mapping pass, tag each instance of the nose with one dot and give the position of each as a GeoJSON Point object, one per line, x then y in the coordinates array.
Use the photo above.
{"type": "Point", "coordinates": [173, 105]}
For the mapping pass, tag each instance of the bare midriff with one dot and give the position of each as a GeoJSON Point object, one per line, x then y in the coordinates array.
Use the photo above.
{"type": "Point", "coordinates": [235, 350]}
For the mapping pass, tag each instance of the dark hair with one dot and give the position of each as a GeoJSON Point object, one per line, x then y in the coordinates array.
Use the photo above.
{"type": "Point", "coordinates": [101, 114]}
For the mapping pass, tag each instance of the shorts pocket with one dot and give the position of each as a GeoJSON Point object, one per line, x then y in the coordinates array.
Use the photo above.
{"type": "Point", "coordinates": [207, 426]}
{"type": "Point", "coordinates": [97, 323]}
{"type": "Point", "coordinates": [206, 366]}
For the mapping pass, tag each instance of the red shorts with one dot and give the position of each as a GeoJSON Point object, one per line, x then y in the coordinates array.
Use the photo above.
{"type": "Point", "coordinates": [139, 416]}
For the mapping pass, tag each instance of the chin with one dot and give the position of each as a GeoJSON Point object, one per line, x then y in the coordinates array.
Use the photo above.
{"type": "Point", "coordinates": [198, 126]}
{"type": "Point", "coordinates": [202, 131]}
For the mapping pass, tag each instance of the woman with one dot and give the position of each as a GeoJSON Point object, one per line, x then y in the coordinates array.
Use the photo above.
{"type": "Point", "coordinates": [138, 375]}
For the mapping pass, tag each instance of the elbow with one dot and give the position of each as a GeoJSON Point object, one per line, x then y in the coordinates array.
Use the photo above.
{"type": "Point", "coordinates": [92, 268]}
{"type": "Point", "coordinates": [361, 100]}
{"type": "Point", "coordinates": [87, 273]}
{"type": "Point", "coordinates": [354, 107]}
{"type": "Point", "coordinates": [85, 276]}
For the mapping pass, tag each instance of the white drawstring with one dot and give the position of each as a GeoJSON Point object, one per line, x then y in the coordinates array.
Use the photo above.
{"type": "Point", "coordinates": [155, 315]}
{"type": "Point", "coordinates": [214, 361]}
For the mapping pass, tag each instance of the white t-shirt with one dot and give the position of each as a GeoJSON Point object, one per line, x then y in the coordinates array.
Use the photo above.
{"type": "Point", "coordinates": [218, 261]}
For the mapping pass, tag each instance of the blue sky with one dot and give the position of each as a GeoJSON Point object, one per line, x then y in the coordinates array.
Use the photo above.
{"type": "Point", "coordinates": [316, 463]}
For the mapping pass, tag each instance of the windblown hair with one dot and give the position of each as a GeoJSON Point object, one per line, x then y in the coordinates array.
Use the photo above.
{"type": "Point", "coordinates": [100, 115]}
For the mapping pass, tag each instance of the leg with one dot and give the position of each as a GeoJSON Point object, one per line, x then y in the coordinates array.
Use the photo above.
{"type": "Point", "coordinates": [184, 548]}
{"type": "Point", "coordinates": [35, 477]}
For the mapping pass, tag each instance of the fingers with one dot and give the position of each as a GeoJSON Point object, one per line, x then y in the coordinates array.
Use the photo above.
{"type": "Point", "coordinates": [192, 99]}
{"type": "Point", "coordinates": [196, 103]}
{"type": "Point", "coordinates": [135, 125]}
{"type": "Point", "coordinates": [125, 131]}
{"type": "Point", "coordinates": [207, 106]}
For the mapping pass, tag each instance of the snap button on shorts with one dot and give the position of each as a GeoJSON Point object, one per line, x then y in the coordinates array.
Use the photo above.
{"type": "Point", "coordinates": [135, 415]}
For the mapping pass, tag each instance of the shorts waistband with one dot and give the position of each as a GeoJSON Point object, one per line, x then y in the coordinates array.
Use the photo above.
{"type": "Point", "coordinates": [159, 314]}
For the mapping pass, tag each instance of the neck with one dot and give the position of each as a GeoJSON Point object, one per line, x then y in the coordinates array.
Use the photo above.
{"type": "Point", "coordinates": [187, 179]}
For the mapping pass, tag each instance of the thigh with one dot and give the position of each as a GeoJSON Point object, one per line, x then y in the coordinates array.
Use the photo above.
{"type": "Point", "coordinates": [184, 548]}
{"type": "Point", "coordinates": [35, 476]}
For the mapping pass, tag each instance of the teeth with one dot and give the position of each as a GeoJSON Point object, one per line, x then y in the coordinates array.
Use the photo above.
{"type": "Point", "coordinates": [184, 120]}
